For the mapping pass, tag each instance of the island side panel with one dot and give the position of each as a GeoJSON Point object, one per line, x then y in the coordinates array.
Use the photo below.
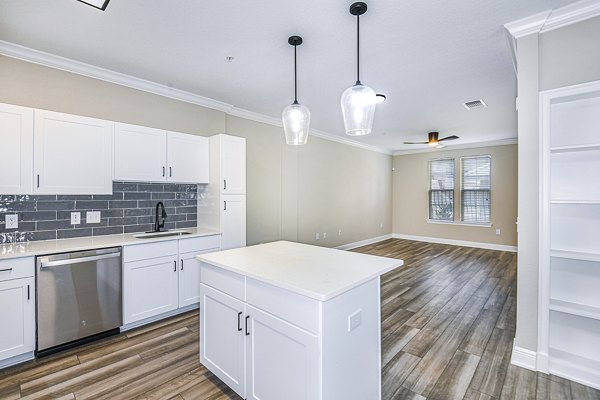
{"type": "Point", "coordinates": [352, 348]}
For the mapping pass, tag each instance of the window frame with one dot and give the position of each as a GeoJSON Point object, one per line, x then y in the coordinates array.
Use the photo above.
{"type": "Point", "coordinates": [462, 191]}
{"type": "Point", "coordinates": [430, 191]}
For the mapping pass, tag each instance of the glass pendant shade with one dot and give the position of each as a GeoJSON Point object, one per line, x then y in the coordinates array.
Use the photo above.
{"type": "Point", "coordinates": [296, 122]}
{"type": "Point", "coordinates": [358, 109]}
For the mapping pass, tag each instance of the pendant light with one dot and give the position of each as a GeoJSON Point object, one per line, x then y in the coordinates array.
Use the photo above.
{"type": "Point", "coordinates": [296, 117]}
{"type": "Point", "coordinates": [358, 102]}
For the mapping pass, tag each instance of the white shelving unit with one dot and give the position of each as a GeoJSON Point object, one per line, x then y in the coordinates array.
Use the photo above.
{"type": "Point", "coordinates": [569, 322]}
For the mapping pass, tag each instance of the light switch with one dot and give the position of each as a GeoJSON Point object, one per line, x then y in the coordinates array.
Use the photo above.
{"type": "Point", "coordinates": [92, 217]}
{"type": "Point", "coordinates": [354, 320]}
{"type": "Point", "coordinates": [11, 221]}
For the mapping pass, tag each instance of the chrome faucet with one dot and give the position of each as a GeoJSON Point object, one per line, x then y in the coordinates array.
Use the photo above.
{"type": "Point", "coordinates": [159, 222]}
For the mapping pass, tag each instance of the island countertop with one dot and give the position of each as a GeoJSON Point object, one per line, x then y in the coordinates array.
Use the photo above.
{"type": "Point", "coordinates": [316, 272]}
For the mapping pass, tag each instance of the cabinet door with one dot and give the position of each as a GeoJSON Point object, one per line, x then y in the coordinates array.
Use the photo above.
{"type": "Point", "coordinates": [187, 158]}
{"type": "Point", "coordinates": [140, 153]}
{"type": "Point", "coordinates": [233, 221]}
{"type": "Point", "coordinates": [282, 360]}
{"type": "Point", "coordinates": [149, 288]}
{"type": "Point", "coordinates": [233, 165]}
{"type": "Point", "coordinates": [222, 342]}
{"type": "Point", "coordinates": [73, 154]}
{"type": "Point", "coordinates": [17, 313]}
{"type": "Point", "coordinates": [189, 278]}
{"type": "Point", "coordinates": [16, 135]}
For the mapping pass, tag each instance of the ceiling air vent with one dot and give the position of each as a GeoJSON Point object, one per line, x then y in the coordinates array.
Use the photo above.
{"type": "Point", "coordinates": [469, 105]}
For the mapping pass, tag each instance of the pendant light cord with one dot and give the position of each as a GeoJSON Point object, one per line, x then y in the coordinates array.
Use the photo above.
{"type": "Point", "coordinates": [295, 77]}
{"type": "Point", "coordinates": [358, 50]}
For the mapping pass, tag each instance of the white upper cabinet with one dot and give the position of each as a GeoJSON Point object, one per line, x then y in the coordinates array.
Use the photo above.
{"type": "Point", "coordinates": [187, 158]}
{"type": "Point", "coordinates": [233, 221]}
{"type": "Point", "coordinates": [228, 159]}
{"type": "Point", "coordinates": [16, 136]}
{"type": "Point", "coordinates": [72, 154]}
{"type": "Point", "coordinates": [153, 155]}
{"type": "Point", "coordinates": [140, 153]}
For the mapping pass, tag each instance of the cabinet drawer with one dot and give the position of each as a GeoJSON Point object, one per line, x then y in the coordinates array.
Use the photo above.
{"type": "Point", "coordinates": [199, 243]}
{"type": "Point", "coordinates": [16, 268]}
{"type": "Point", "coordinates": [291, 307]}
{"type": "Point", "coordinates": [226, 281]}
{"type": "Point", "coordinates": [149, 250]}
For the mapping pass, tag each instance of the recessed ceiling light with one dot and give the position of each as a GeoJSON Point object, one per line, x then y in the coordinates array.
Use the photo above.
{"type": "Point", "coordinates": [380, 98]}
{"type": "Point", "coordinates": [99, 4]}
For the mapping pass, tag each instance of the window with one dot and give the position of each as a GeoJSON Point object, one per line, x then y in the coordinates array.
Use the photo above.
{"type": "Point", "coordinates": [441, 190]}
{"type": "Point", "coordinates": [476, 189]}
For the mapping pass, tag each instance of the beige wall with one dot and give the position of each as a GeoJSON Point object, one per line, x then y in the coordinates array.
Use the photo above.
{"type": "Point", "coordinates": [293, 192]}
{"type": "Point", "coordinates": [561, 57]}
{"type": "Point", "coordinates": [411, 187]}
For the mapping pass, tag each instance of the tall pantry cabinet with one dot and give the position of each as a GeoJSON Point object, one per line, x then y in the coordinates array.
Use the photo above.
{"type": "Point", "coordinates": [569, 323]}
{"type": "Point", "coordinates": [223, 205]}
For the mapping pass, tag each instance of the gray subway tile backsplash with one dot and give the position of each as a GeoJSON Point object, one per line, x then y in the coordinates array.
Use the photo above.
{"type": "Point", "coordinates": [129, 209]}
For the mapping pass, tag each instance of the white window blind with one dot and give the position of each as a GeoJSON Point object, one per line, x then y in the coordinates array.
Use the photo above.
{"type": "Point", "coordinates": [476, 189]}
{"type": "Point", "coordinates": [441, 189]}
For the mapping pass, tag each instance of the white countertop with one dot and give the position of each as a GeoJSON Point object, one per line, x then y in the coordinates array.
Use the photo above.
{"type": "Point", "coordinates": [317, 272]}
{"type": "Point", "coordinates": [25, 249]}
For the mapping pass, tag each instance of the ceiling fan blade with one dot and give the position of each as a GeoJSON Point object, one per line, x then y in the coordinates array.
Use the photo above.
{"type": "Point", "coordinates": [416, 142]}
{"type": "Point", "coordinates": [453, 137]}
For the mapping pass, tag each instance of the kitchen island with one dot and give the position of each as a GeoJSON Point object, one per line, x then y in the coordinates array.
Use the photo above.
{"type": "Point", "coordinates": [285, 320]}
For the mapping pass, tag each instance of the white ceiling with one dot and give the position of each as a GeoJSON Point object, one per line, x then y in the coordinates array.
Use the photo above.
{"type": "Point", "coordinates": [428, 57]}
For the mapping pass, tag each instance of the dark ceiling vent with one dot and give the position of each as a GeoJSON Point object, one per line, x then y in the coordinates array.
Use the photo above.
{"type": "Point", "coordinates": [469, 105]}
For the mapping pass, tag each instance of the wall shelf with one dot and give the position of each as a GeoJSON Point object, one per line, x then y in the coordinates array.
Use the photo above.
{"type": "Point", "coordinates": [575, 255]}
{"type": "Point", "coordinates": [580, 310]}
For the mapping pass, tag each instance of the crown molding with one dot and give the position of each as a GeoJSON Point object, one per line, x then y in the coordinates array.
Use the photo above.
{"type": "Point", "coordinates": [69, 65]}
{"type": "Point", "coordinates": [528, 25]}
{"type": "Point", "coordinates": [491, 143]}
{"type": "Point", "coordinates": [554, 19]}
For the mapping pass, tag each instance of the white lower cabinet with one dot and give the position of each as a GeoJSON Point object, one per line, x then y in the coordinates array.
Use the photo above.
{"type": "Point", "coordinates": [257, 354]}
{"type": "Point", "coordinates": [161, 277]}
{"type": "Point", "coordinates": [233, 221]}
{"type": "Point", "coordinates": [17, 308]}
{"type": "Point", "coordinates": [281, 359]}
{"type": "Point", "coordinates": [150, 288]}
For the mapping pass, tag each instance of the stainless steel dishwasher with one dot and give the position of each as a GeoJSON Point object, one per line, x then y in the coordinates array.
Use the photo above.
{"type": "Point", "coordinates": [79, 298]}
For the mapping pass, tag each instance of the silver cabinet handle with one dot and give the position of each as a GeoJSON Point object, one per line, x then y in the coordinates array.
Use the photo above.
{"type": "Point", "coordinates": [170, 172]}
{"type": "Point", "coordinates": [225, 205]}
{"type": "Point", "coordinates": [239, 322]}
{"type": "Point", "coordinates": [79, 260]}
{"type": "Point", "coordinates": [174, 265]}
{"type": "Point", "coordinates": [182, 264]}
{"type": "Point", "coordinates": [163, 171]}
{"type": "Point", "coordinates": [247, 332]}
{"type": "Point", "coordinates": [6, 270]}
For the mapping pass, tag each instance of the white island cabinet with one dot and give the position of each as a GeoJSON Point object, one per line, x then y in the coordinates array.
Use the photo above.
{"type": "Point", "coordinates": [291, 321]}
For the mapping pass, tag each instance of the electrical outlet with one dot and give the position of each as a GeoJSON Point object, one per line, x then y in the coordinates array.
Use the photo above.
{"type": "Point", "coordinates": [354, 320]}
{"type": "Point", "coordinates": [381, 225]}
{"type": "Point", "coordinates": [324, 235]}
{"type": "Point", "coordinates": [317, 236]}
{"type": "Point", "coordinates": [11, 221]}
{"type": "Point", "coordinates": [340, 232]}
{"type": "Point", "coordinates": [92, 217]}
{"type": "Point", "coordinates": [497, 231]}
{"type": "Point", "coordinates": [75, 218]}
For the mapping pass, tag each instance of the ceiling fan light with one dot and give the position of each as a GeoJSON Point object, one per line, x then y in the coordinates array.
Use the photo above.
{"type": "Point", "coordinates": [434, 144]}
{"type": "Point", "coordinates": [358, 110]}
{"type": "Point", "coordinates": [296, 122]}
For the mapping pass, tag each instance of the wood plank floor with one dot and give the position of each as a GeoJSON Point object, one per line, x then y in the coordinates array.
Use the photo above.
{"type": "Point", "coordinates": [448, 320]}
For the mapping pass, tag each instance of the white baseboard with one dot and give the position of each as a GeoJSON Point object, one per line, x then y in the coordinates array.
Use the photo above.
{"type": "Point", "coordinates": [524, 358]}
{"type": "Point", "coordinates": [480, 245]}
{"type": "Point", "coordinates": [9, 362]}
{"type": "Point", "coordinates": [365, 242]}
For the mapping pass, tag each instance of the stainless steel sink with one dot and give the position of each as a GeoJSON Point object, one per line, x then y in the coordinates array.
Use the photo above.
{"type": "Point", "coordinates": [149, 235]}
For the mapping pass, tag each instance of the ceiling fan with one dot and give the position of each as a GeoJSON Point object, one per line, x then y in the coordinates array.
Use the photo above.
{"type": "Point", "coordinates": [433, 139]}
